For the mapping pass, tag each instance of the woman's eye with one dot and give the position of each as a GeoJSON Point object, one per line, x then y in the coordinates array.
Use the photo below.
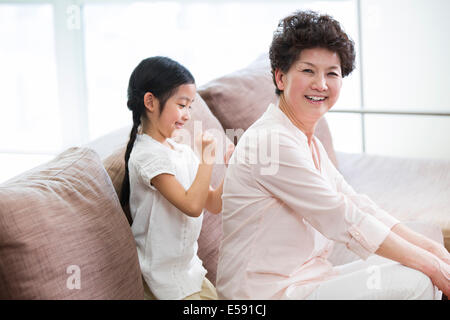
{"type": "Point", "coordinates": [182, 105]}
{"type": "Point", "coordinates": [308, 71]}
{"type": "Point", "coordinates": [334, 74]}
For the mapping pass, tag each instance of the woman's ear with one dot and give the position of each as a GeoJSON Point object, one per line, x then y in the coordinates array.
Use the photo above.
{"type": "Point", "coordinates": [150, 102]}
{"type": "Point", "coordinates": [279, 75]}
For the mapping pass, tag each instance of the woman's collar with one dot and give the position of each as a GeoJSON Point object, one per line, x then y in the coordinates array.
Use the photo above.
{"type": "Point", "coordinates": [277, 113]}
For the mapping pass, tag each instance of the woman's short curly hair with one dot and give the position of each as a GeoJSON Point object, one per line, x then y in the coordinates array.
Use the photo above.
{"type": "Point", "coordinates": [305, 30]}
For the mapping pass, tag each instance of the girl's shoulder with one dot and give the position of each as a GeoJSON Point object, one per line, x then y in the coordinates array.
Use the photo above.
{"type": "Point", "coordinates": [146, 148]}
{"type": "Point", "coordinates": [185, 149]}
{"type": "Point", "coordinates": [179, 147]}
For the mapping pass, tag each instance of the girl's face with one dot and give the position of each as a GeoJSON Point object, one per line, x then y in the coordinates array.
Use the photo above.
{"type": "Point", "coordinates": [312, 84]}
{"type": "Point", "coordinates": [176, 111]}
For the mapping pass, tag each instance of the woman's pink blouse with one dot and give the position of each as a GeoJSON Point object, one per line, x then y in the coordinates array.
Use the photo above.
{"type": "Point", "coordinates": [281, 215]}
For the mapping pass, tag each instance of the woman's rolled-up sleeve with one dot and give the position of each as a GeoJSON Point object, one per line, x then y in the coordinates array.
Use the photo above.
{"type": "Point", "coordinates": [302, 188]}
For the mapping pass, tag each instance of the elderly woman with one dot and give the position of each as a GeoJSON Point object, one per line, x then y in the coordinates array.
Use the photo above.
{"type": "Point", "coordinates": [280, 225]}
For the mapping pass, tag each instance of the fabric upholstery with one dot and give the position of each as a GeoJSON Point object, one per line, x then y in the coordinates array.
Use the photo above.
{"type": "Point", "coordinates": [63, 234]}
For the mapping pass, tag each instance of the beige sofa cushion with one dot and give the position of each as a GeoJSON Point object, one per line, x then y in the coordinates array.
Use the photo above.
{"type": "Point", "coordinates": [63, 234]}
{"type": "Point", "coordinates": [210, 236]}
{"type": "Point", "coordinates": [240, 98]}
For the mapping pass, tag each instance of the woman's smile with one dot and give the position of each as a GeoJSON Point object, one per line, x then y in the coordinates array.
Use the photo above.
{"type": "Point", "coordinates": [316, 100]}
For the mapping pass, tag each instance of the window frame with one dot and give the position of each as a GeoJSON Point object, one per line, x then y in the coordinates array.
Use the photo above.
{"type": "Point", "coordinates": [72, 80]}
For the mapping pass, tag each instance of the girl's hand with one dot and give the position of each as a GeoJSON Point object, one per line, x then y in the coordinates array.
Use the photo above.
{"type": "Point", "coordinates": [228, 153]}
{"type": "Point", "coordinates": [441, 277]}
{"type": "Point", "coordinates": [208, 148]}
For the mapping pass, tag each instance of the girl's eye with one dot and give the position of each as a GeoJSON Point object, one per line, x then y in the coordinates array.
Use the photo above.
{"type": "Point", "coordinates": [182, 105]}
{"type": "Point", "coordinates": [334, 74]}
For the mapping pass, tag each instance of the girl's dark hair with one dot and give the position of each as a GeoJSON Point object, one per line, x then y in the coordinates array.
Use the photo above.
{"type": "Point", "coordinates": [306, 30]}
{"type": "Point", "coordinates": [161, 76]}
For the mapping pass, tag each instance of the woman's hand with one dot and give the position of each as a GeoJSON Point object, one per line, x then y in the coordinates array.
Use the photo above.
{"type": "Point", "coordinates": [441, 252]}
{"type": "Point", "coordinates": [441, 276]}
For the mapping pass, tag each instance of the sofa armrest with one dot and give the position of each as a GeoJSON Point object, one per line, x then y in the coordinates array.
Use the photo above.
{"type": "Point", "coordinates": [409, 189]}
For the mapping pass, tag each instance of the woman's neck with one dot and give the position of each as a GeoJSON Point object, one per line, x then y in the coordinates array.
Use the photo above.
{"type": "Point", "coordinates": [308, 130]}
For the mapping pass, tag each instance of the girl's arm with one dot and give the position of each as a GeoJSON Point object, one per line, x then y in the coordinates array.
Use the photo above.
{"type": "Point", "coordinates": [191, 201]}
{"type": "Point", "coordinates": [214, 201]}
{"type": "Point", "coordinates": [396, 248]}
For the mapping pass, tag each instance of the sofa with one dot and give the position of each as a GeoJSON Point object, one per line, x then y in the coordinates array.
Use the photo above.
{"type": "Point", "coordinates": [64, 235]}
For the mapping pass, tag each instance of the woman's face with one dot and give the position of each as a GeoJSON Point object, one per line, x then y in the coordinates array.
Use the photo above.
{"type": "Point", "coordinates": [312, 84]}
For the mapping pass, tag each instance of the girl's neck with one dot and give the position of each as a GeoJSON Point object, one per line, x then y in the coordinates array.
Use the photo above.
{"type": "Point", "coordinates": [154, 134]}
{"type": "Point", "coordinates": [308, 130]}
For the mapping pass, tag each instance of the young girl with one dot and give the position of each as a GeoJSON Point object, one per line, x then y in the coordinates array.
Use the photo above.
{"type": "Point", "coordinates": [166, 185]}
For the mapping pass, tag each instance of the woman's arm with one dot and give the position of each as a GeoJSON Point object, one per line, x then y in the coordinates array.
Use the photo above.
{"type": "Point", "coordinates": [396, 248]}
{"type": "Point", "coordinates": [423, 242]}
{"type": "Point", "coordinates": [400, 229]}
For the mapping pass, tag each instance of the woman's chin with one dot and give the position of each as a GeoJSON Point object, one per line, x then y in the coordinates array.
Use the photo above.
{"type": "Point", "coordinates": [318, 113]}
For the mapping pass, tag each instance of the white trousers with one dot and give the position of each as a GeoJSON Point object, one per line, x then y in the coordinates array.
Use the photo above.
{"type": "Point", "coordinates": [376, 278]}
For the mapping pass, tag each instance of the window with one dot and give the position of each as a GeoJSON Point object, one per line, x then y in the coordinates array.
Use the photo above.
{"type": "Point", "coordinates": [211, 39]}
{"type": "Point", "coordinates": [30, 130]}
{"type": "Point", "coordinates": [405, 52]}
{"type": "Point", "coordinates": [30, 115]}
{"type": "Point", "coordinates": [65, 67]}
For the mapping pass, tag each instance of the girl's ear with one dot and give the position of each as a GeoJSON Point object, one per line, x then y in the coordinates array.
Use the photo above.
{"type": "Point", "coordinates": [150, 102]}
{"type": "Point", "coordinates": [279, 79]}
